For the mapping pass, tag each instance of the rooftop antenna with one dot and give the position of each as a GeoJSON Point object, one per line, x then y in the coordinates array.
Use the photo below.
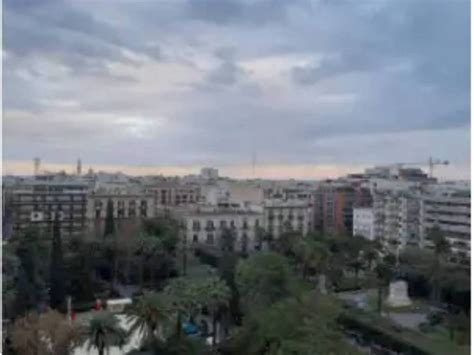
{"type": "Point", "coordinates": [79, 167]}
{"type": "Point", "coordinates": [36, 164]}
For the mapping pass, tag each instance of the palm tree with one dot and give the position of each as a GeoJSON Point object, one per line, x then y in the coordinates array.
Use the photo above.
{"type": "Point", "coordinates": [441, 248]}
{"type": "Point", "coordinates": [384, 272]}
{"type": "Point", "coordinates": [215, 296]}
{"type": "Point", "coordinates": [371, 255]}
{"type": "Point", "coordinates": [149, 316]}
{"type": "Point", "coordinates": [312, 254]}
{"type": "Point", "coordinates": [105, 331]}
{"type": "Point", "coordinates": [148, 247]}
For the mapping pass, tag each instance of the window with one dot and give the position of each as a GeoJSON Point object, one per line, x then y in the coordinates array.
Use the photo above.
{"type": "Point", "coordinates": [257, 222]}
{"type": "Point", "coordinates": [195, 238]}
{"type": "Point", "coordinates": [210, 238]}
{"type": "Point", "coordinates": [223, 224]}
{"type": "Point", "coordinates": [209, 225]}
{"type": "Point", "coordinates": [196, 226]}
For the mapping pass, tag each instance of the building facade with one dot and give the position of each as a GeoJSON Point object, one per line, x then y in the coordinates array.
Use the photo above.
{"type": "Point", "coordinates": [283, 216]}
{"type": "Point", "coordinates": [124, 205]}
{"type": "Point", "coordinates": [363, 223]}
{"type": "Point", "coordinates": [451, 212]}
{"type": "Point", "coordinates": [206, 227]}
{"type": "Point", "coordinates": [334, 202]}
{"type": "Point", "coordinates": [396, 218]}
{"type": "Point", "coordinates": [38, 204]}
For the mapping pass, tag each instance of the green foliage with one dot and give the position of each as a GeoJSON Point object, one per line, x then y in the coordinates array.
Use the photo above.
{"type": "Point", "coordinates": [150, 316]}
{"type": "Point", "coordinates": [104, 331]}
{"type": "Point", "coordinates": [57, 277]}
{"type": "Point", "coordinates": [31, 285]}
{"type": "Point", "coordinates": [263, 279]}
{"type": "Point", "coordinates": [303, 325]}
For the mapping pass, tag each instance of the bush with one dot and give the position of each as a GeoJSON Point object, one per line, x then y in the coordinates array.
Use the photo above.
{"type": "Point", "coordinates": [435, 318]}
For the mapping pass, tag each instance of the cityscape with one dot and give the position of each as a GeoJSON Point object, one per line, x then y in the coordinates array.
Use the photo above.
{"type": "Point", "coordinates": [234, 177]}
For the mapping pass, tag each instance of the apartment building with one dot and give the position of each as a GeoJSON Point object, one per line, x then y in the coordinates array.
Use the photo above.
{"type": "Point", "coordinates": [206, 226]}
{"type": "Point", "coordinates": [396, 218]}
{"type": "Point", "coordinates": [38, 203]}
{"type": "Point", "coordinates": [451, 211]}
{"type": "Point", "coordinates": [173, 194]}
{"type": "Point", "coordinates": [364, 223]}
{"type": "Point", "coordinates": [125, 205]}
{"type": "Point", "coordinates": [282, 216]}
{"type": "Point", "coordinates": [334, 202]}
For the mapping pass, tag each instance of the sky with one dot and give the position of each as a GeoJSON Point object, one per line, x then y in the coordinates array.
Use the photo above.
{"type": "Point", "coordinates": [305, 89]}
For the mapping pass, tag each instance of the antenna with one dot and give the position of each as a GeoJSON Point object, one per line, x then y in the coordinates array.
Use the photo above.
{"type": "Point", "coordinates": [36, 164]}
{"type": "Point", "coordinates": [79, 167]}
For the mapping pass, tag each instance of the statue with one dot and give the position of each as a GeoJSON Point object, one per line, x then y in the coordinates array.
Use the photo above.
{"type": "Point", "coordinates": [398, 295]}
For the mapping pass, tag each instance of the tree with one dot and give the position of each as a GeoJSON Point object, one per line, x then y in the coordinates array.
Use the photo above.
{"type": "Point", "coordinates": [48, 333]}
{"type": "Point", "coordinates": [57, 278]}
{"type": "Point", "coordinates": [294, 325]}
{"type": "Point", "coordinates": [371, 256]}
{"type": "Point", "coordinates": [30, 287]}
{"type": "Point", "coordinates": [104, 331]}
{"type": "Point", "coordinates": [384, 273]}
{"type": "Point", "coordinates": [215, 295]}
{"type": "Point", "coordinates": [148, 247]}
{"type": "Point", "coordinates": [150, 316]}
{"type": "Point", "coordinates": [10, 272]}
{"type": "Point", "coordinates": [262, 279]}
{"type": "Point", "coordinates": [441, 248]}
{"type": "Point", "coordinates": [312, 254]}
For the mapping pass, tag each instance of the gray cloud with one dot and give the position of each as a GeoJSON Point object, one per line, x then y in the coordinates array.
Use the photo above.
{"type": "Point", "coordinates": [211, 81]}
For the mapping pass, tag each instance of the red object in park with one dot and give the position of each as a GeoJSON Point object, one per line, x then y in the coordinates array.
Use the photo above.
{"type": "Point", "coordinates": [98, 305]}
{"type": "Point", "coordinates": [73, 316]}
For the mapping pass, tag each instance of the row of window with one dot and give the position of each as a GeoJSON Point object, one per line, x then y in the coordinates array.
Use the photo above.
{"type": "Point", "coordinates": [196, 226]}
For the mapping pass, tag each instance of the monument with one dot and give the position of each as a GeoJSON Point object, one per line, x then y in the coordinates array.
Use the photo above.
{"type": "Point", "coordinates": [398, 295]}
{"type": "Point", "coordinates": [322, 284]}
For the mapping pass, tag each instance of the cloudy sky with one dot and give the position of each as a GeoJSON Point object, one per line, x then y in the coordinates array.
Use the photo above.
{"type": "Point", "coordinates": [314, 88]}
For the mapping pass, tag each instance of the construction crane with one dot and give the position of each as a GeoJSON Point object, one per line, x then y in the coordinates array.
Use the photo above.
{"type": "Point", "coordinates": [431, 164]}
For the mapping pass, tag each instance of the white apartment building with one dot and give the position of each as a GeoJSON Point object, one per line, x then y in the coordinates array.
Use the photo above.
{"type": "Point", "coordinates": [281, 216]}
{"type": "Point", "coordinates": [451, 211]}
{"type": "Point", "coordinates": [396, 218]}
{"type": "Point", "coordinates": [206, 225]}
{"type": "Point", "coordinates": [363, 223]}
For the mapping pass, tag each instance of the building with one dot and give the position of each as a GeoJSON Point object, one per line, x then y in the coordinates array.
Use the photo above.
{"type": "Point", "coordinates": [396, 218]}
{"type": "Point", "coordinates": [37, 203]}
{"type": "Point", "coordinates": [125, 205]}
{"type": "Point", "coordinates": [231, 192]}
{"type": "Point", "coordinates": [209, 174]}
{"type": "Point", "coordinates": [334, 202]}
{"type": "Point", "coordinates": [170, 194]}
{"type": "Point", "coordinates": [282, 216]}
{"type": "Point", "coordinates": [205, 226]}
{"type": "Point", "coordinates": [363, 223]}
{"type": "Point", "coordinates": [451, 212]}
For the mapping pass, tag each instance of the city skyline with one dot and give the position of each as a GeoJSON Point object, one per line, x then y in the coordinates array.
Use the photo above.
{"type": "Point", "coordinates": [159, 86]}
{"type": "Point", "coordinates": [299, 172]}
